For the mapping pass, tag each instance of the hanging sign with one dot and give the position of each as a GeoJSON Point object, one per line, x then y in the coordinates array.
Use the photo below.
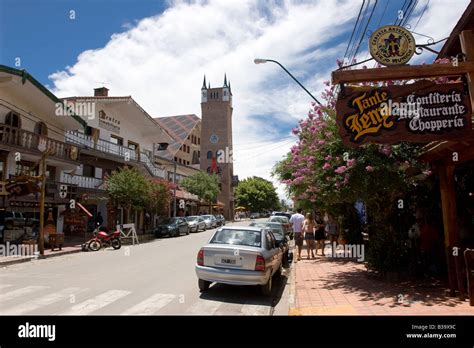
{"type": "Point", "coordinates": [420, 112]}
{"type": "Point", "coordinates": [392, 45]}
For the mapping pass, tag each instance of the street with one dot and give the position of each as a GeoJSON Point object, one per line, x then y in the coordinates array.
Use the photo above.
{"type": "Point", "coordinates": [152, 278]}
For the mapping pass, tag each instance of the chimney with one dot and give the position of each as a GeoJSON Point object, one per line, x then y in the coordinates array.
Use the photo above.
{"type": "Point", "coordinates": [101, 92]}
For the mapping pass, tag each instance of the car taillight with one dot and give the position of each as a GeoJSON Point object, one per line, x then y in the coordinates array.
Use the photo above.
{"type": "Point", "coordinates": [200, 258]}
{"type": "Point", "coordinates": [260, 263]}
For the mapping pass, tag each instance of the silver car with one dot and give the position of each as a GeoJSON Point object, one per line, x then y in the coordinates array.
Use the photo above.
{"type": "Point", "coordinates": [196, 223]}
{"type": "Point", "coordinates": [210, 220]}
{"type": "Point", "coordinates": [240, 255]}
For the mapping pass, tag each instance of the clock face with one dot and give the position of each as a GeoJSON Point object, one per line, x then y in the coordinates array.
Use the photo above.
{"type": "Point", "coordinates": [214, 139]}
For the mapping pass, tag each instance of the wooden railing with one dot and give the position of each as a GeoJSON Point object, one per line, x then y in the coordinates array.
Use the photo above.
{"type": "Point", "coordinates": [28, 140]}
{"type": "Point", "coordinates": [82, 181]}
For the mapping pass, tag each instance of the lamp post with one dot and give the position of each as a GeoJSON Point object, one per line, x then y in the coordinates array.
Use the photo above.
{"type": "Point", "coordinates": [262, 61]}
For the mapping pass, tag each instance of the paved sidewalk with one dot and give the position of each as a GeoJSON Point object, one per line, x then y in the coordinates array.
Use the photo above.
{"type": "Point", "coordinates": [330, 286]}
{"type": "Point", "coordinates": [11, 260]}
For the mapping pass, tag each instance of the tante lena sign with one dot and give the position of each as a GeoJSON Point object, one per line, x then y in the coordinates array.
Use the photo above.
{"type": "Point", "coordinates": [420, 112]}
{"type": "Point", "coordinates": [392, 45]}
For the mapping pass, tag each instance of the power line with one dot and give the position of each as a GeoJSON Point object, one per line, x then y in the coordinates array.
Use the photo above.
{"type": "Point", "coordinates": [422, 13]}
{"type": "Point", "coordinates": [353, 29]}
{"type": "Point", "coordinates": [403, 11]}
{"type": "Point", "coordinates": [409, 13]}
{"type": "Point", "coordinates": [378, 26]}
{"type": "Point", "coordinates": [365, 29]}
{"type": "Point", "coordinates": [350, 56]}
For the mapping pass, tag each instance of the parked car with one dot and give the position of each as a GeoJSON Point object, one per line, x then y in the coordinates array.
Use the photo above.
{"type": "Point", "coordinates": [278, 213]}
{"type": "Point", "coordinates": [255, 215]}
{"type": "Point", "coordinates": [282, 239]}
{"type": "Point", "coordinates": [240, 256]}
{"type": "Point", "coordinates": [172, 227]}
{"type": "Point", "coordinates": [210, 220]}
{"type": "Point", "coordinates": [220, 219]}
{"type": "Point", "coordinates": [14, 220]}
{"type": "Point", "coordinates": [285, 221]}
{"type": "Point", "coordinates": [196, 223]}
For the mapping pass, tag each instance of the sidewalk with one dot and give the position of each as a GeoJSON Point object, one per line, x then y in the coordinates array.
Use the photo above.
{"type": "Point", "coordinates": [331, 286]}
{"type": "Point", "coordinates": [11, 260]}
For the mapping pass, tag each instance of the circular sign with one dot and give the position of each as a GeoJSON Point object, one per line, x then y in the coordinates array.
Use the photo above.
{"type": "Point", "coordinates": [392, 45]}
{"type": "Point", "coordinates": [214, 139]}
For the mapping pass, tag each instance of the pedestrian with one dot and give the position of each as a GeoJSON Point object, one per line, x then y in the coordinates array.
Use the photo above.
{"type": "Point", "coordinates": [99, 220]}
{"type": "Point", "coordinates": [332, 230]}
{"type": "Point", "coordinates": [297, 221]}
{"type": "Point", "coordinates": [320, 234]}
{"type": "Point", "coordinates": [309, 226]}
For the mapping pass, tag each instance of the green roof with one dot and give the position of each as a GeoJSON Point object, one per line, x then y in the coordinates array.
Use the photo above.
{"type": "Point", "coordinates": [26, 76]}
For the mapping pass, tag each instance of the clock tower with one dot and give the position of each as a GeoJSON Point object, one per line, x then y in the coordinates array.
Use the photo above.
{"type": "Point", "coordinates": [216, 140]}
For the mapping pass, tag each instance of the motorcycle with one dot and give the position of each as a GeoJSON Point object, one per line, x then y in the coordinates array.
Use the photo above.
{"type": "Point", "coordinates": [102, 238]}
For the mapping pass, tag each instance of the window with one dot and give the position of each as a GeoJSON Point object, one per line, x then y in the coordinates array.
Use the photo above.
{"type": "Point", "coordinates": [187, 163]}
{"type": "Point", "coordinates": [88, 170]}
{"type": "Point", "coordinates": [116, 140]}
{"type": "Point", "coordinates": [13, 120]}
{"type": "Point", "coordinates": [25, 168]}
{"type": "Point", "coordinates": [132, 145]}
{"type": "Point", "coordinates": [199, 141]}
{"type": "Point", "coordinates": [237, 237]}
{"type": "Point", "coordinates": [270, 244]}
{"type": "Point", "coordinates": [209, 154]}
{"type": "Point", "coordinates": [41, 129]}
{"type": "Point", "coordinates": [225, 93]}
{"type": "Point", "coordinates": [176, 159]}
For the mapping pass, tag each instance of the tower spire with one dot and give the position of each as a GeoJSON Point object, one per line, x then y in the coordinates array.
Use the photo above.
{"type": "Point", "coordinates": [225, 80]}
{"type": "Point", "coordinates": [204, 83]}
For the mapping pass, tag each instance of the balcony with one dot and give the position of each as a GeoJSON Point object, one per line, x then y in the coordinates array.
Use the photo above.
{"type": "Point", "coordinates": [82, 181]}
{"type": "Point", "coordinates": [104, 146]}
{"type": "Point", "coordinates": [21, 138]}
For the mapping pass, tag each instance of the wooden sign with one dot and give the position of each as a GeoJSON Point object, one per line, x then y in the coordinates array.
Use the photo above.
{"type": "Point", "coordinates": [420, 112]}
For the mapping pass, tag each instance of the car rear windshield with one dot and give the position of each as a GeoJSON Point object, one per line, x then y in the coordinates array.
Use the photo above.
{"type": "Point", "coordinates": [238, 237]}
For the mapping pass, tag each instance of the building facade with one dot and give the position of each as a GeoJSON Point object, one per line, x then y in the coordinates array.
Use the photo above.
{"type": "Point", "coordinates": [216, 141]}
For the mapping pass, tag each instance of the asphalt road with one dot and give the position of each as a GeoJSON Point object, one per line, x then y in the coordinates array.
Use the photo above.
{"type": "Point", "coordinates": [155, 278]}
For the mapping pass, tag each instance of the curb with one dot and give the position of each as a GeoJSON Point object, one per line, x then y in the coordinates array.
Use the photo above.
{"type": "Point", "coordinates": [25, 259]}
{"type": "Point", "coordinates": [292, 294]}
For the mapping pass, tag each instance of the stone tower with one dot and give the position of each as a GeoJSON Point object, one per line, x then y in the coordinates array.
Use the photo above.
{"type": "Point", "coordinates": [216, 140]}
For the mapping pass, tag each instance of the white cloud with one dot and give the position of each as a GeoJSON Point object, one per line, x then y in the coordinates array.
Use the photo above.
{"type": "Point", "coordinates": [161, 61]}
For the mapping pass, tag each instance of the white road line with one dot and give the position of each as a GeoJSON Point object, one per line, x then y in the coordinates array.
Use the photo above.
{"type": "Point", "coordinates": [44, 301]}
{"type": "Point", "coordinates": [204, 307]}
{"type": "Point", "coordinates": [150, 305]}
{"type": "Point", "coordinates": [97, 302]}
{"type": "Point", "coordinates": [20, 292]}
{"type": "Point", "coordinates": [255, 310]}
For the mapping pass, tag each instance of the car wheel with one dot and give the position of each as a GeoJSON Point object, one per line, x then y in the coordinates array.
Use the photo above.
{"type": "Point", "coordinates": [203, 285]}
{"type": "Point", "coordinates": [267, 288]}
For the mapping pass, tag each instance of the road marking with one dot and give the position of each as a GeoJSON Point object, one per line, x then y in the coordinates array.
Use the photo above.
{"type": "Point", "coordinates": [150, 305]}
{"type": "Point", "coordinates": [97, 302]}
{"type": "Point", "coordinates": [47, 300]}
{"type": "Point", "coordinates": [204, 307]}
{"type": "Point", "coordinates": [255, 310]}
{"type": "Point", "coordinates": [20, 292]}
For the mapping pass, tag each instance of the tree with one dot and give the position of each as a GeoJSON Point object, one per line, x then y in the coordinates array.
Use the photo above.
{"type": "Point", "coordinates": [159, 197]}
{"type": "Point", "coordinates": [129, 188]}
{"type": "Point", "coordinates": [203, 185]}
{"type": "Point", "coordinates": [257, 194]}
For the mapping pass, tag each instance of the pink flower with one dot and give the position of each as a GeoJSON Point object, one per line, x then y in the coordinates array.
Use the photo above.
{"type": "Point", "coordinates": [295, 131]}
{"type": "Point", "coordinates": [341, 169]}
{"type": "Point", "coordinates": [321, 142]}
{"type": "Point", "coordinates": [427, 172]}
{"type": "Point", "coordinates": [338, 184]}
{"type": "Point", "coordinates": [351, 162]}
{"type": "Point", "coordinates": [328, 158]}
{"type": "Point", "coordinates": [369, 169]}
{"type": "Point", "coordinates": [326, 166]}
{"type": "Point", "coordinates": [327, 83]}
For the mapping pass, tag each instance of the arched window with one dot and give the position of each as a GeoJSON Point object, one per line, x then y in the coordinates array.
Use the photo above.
{"type": "Point", "coordinates": [209, 155]}
{"type": "Point", "coordinates": [13, 120]}
{"type": "Point", "coordinates": [195, 158]}
{"type": "Point", "coordinates": [41, 129]}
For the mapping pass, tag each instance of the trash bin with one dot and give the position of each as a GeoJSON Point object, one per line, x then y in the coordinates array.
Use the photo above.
{"type": "Point", "coordinates": [469, 258]}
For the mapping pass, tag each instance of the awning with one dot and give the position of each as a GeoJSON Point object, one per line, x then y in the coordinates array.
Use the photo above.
{"type": "Point", "coordinates": [181, 194]}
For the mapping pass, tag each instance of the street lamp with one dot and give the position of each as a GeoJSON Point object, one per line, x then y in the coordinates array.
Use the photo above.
{"type": "Point", "coordinates": [262, 61]}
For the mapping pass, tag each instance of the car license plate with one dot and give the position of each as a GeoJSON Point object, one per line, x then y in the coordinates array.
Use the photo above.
{"type": "Point", "coordinates": [228, 261]}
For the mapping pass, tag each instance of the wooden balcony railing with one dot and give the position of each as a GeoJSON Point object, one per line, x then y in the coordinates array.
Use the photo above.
{"type": "Point", "coordinates": [28, 140]}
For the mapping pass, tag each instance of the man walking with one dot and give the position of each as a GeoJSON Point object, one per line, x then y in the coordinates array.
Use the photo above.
{"type": "Point", "coordinates": [297, 221]}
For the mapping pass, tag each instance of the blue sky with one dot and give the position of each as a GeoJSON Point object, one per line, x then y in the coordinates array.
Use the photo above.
{"type": "Point", "coordinates": [158, 51]}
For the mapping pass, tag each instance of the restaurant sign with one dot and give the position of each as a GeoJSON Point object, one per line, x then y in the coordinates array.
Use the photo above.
{"type": "Point", "coordinates": [392, 45]}
{"type": "Point", "coordinates": [420, 112]}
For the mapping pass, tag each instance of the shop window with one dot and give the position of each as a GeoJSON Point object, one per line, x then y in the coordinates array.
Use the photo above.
{"type": "Point", "coordinates": [41, 129]}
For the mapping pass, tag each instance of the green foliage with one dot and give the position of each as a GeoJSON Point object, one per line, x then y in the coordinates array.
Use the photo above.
{"type": "Point", "coordinates": [159, 196]}
{"type": "Point", "coordinates": [257, 194]}
{"type": "Point", "coordinates": [203, 185]}
{"type": "Point", "coordinates": [128, 187]}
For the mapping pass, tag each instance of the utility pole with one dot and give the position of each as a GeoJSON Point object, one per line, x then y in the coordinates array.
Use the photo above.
{"type": "Point", "coordinates": [42, 199]}
{"type": "Point", "coordinates": [174, 188]}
